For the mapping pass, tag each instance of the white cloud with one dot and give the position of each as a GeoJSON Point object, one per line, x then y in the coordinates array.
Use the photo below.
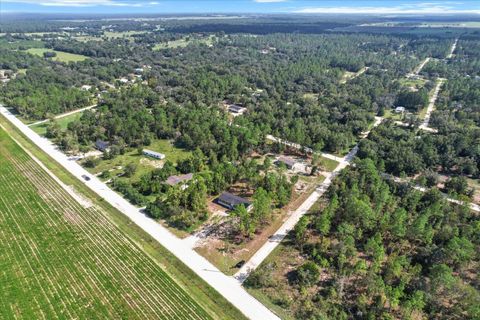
{"type": "Point", "coordinates": [420, 8]}
{"type": "Point", "coordinates": [82, 3]}
{"type": "Point", "coordinates": [269, 1]}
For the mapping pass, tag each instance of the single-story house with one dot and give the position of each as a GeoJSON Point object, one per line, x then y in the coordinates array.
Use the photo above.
{"type": "Point", "coordinates": [230, 201]}
{"type": "Point", "coordinates": [86, 87]}
{"type": "Point", "coordinates": [183, 178]}
{"type": "Point", "coordinates": [399, 109]}
{"type": "Point", "coordinates": [102, 145]}
{"type": "Point", "coordinates": [153, 154]}
{"type": "Point", "coordinates": [289, 162]}
{"type": "Point", "coordinates": [236, 109]}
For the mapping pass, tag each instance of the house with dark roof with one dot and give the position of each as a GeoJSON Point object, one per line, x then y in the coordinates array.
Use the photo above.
{"type": "Point", "coordinates": [102, 145]}
{"type": "Point", "coordinates": [233, 108]}
{"type": "Point", "coordinates": [183, 179]}
{"type": "Point", "coordinates": [230, 201]}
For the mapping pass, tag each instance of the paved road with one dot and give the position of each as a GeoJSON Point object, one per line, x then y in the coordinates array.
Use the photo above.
{"type": "Point", "coordinates": [225, 285]}
{"type": "Point", "coordinates": [431, 106]}
{"type": "Point", "coordinates": [63, 115]}
{"type": "Point", "coordinates": [293, 219]}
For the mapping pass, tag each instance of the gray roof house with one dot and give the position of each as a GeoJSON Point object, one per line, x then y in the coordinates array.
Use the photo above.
{"type": "Point", "coordinates": [174, 180]}
{"type": "Point", "coordinates": [230, 201]}
{"type": "Point", "coordinates": [289, 162]}
{"type": "Point", "coordinates": [102, 145]}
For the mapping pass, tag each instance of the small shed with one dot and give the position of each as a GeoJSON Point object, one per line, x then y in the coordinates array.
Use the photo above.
{"type": "Point", "coordinates": [102, 145]}
{"type": "Point", "coordinates": [153, 154]}
{"type": "Point", "coordinates": [230, 201]}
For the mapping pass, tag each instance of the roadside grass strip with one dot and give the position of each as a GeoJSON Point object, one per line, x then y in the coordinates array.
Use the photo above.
{"type": "Point", "coordinates": [61, 260]}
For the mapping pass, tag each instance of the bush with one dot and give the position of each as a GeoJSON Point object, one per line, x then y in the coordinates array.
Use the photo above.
{"type": "Point", "coordinates": [458, 185]}
{"type": "Point", "coordinates": [308, 274]}
{"type": "Point", "coordinates": [91, 162]}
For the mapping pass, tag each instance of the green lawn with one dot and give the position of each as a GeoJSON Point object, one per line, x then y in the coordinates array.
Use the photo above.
{"type": "Point", "coordinates": [61, 56]}
{"type": "Point", "coordinates": [41, 128]}
{"type": "Point", "coordinates": [328, 164]}
{"type": "Point", "coordinates": [391, 114]}
{"type": "Point", "coordinates": [61, 259]}
{"type": "Point", "coordinates": [180, 43]}
{"type": "Point", "coordinates": [414, 83]}
{"type": "Point", "coordinates": [129, 35]}
{"type": "Point", "coordinates": [16, 45]}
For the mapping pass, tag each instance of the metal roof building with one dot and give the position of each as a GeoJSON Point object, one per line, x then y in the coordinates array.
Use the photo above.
{"type": "Point", "coordinates": [153, 154]}
{"type": "Point", "coordinates": [102, 145]}
{"type": "Point", "coordinates": [230, 201]}
{"type": "Point", "coordinates": [289, 162]}
{"type": "Point", "coordinates": [174, 180]}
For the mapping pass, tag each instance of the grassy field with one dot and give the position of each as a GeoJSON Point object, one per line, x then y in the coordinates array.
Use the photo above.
{"type": "Point", "coordinates": [62, 259]}
{"type": "Point", "coordinates": [327, 164]}
{"type": "Point", "coordinates": [15, 45]}
{"type": "Point", "coordinates": [61, 56]}
{"type": "Point", "coordinates": [144, 163]}
{"type": "Point", "coordinates": [412, 83]}
{"type": "Point", "coordinates": [200, 291]}
{"type": "Point", "coordinates": [129, 35]}
{"type": "Point", "coordinates": [41, 128]}
{"type": "Point", "coordinates": [180, 43]}
{"type": "Point", "coordinates": [391, 114]}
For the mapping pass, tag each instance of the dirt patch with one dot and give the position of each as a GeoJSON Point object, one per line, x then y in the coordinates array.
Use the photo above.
{"type": "Point", "coordinates": [152, 163]}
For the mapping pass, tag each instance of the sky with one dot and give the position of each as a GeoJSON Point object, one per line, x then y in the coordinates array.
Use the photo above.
{"type": "Point", "coordinates": [387, 7]}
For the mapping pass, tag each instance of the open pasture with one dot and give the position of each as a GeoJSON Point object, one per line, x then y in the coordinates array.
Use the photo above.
{"type": "Point", "coordinates": [61, 56]}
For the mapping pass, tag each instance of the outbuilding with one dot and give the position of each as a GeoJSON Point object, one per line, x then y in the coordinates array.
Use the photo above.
{"type": "Point", "coordinates": [153, 154]}
{"type": "Point", "coordinates": [230, 201]}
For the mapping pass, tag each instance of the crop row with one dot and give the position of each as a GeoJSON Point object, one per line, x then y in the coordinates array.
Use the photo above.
{"type": "Point", "coordinates": [61, 260]}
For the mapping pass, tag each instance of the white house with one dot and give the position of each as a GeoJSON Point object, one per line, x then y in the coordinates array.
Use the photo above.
{"type": "Point", "coordinates": [399, 109]}
{"type": "Point", "coordinates": [153, 154]}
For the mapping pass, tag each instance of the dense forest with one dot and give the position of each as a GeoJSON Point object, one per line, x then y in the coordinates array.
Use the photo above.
{"type": "Point", "coordinates": [405, 151]}
{"type": "Point", "coordinates": [378, 250]}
